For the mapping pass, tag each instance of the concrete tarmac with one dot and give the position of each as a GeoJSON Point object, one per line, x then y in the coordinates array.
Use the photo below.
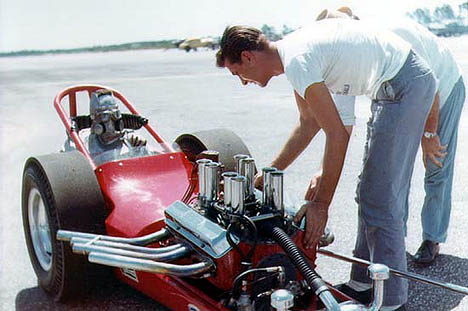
{"type": "Point", "coordinates": [184, 92]}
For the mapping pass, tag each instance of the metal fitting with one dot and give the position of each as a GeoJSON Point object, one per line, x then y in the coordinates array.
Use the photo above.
{"type": "Point", "coordinates": [237, 159]}
{"type": "Point", "coordinates": [282, 300]}
{"type": "Point", "coordinates": [227, 176]}
{"type": "Point", "coordinates": [267, 197]}
{"type": "Point", "coordinates": [248, 168]}
{"type": "Point", "coordinates": [378, 273]}
{"type": "Point", "coordinates": [201, 178]}
{"type": "Point", "coordinates": [276, 186]}
{"type": "Point", "coordinates": [238, 194]}
{"type": "Point", "coordinates": [212, 181]}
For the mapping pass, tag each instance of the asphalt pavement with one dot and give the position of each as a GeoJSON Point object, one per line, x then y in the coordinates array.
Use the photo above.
{"type": "Point", "coordinates": [184, 92]}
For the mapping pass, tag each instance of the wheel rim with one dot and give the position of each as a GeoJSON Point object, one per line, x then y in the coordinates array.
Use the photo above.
{"type": "Point", "coordinates": [39, 229]}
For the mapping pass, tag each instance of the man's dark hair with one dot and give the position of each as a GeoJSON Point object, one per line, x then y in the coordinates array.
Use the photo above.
{"type": "Point", "coordinates": [237, 39]}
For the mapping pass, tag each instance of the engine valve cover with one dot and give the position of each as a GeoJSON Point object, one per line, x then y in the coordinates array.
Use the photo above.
{"type": "Point", "coordinates": [207, 235]}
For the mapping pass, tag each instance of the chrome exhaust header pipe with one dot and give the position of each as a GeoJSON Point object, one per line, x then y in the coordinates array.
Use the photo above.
{"type": "Point", "coordinates": [65, 235]}
{"type": "Point", "coordinates": [149, 265]}
{"type": "Point", "coordinates": [129, 247]}
{"type": "Point", "coordinates": [178, 253]}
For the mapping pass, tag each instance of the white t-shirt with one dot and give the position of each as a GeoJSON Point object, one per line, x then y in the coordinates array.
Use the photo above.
{"type": "Point", "coordinates": [350, 58]}
{"type": "Point", "coordinates": [425, 44]}
{"type": "Point", "coordinates": [345, 106]}
{"type": "Point", "coordinates": [435, 53]}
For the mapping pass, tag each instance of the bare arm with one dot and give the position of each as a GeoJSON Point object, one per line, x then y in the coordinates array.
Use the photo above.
{"type": "Point", "coordinates": [314, 183]}
{"type": "Point", "coordinates": [319, 104]}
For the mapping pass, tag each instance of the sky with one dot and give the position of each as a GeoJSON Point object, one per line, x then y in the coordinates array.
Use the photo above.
{"type": "Point", "coordinates": [60, 24]}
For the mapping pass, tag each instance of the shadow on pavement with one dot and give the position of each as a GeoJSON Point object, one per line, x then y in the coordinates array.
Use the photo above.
{"type": "Point", "coordinates": [117, 296]}
{"type": "Point", "coordinates": [112, 296]}
{"type": "Point", "coordinates": [446, 268]}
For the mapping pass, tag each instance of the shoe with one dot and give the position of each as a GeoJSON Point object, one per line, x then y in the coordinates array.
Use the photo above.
{"type": "Point", "coordinates": [426, 253]}
{"type": "Point", "coordinates": [364, 297]}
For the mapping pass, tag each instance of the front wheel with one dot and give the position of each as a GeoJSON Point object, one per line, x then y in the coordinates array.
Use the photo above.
{"type": "Point", "coordinates": [54, 198]}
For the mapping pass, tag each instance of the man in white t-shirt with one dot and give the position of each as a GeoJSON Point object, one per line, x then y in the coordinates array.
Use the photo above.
{"type": "Point", "coordinates": [349, 59]}
{"type": "Point", "coordinates": [441, 127]}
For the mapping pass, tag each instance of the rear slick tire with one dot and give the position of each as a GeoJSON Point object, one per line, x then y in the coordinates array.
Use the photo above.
{"type": "Point", "coordinates": [224, 141]}
{"type": "Point", "coordinates": [60, 191]}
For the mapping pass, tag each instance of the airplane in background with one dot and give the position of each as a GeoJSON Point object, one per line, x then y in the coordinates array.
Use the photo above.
{"type": "Point", "coordinates": [195, 43]}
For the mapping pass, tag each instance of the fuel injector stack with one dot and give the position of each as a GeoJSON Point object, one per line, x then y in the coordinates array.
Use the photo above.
{"type": "Point", "coordinates": [230, 195]}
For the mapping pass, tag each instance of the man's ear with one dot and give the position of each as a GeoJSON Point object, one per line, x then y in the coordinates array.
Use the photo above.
{"type": "Point", "coordinates": [322, 15]}
{"type": "Point", "coordinates": [346, 10]}
{"type": "Point", "coordinates": [247, 57]}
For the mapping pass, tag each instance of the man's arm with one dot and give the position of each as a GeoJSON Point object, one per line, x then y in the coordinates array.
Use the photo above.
{"type": "Point", "coordinates": [432, 120]}
{"type": "Point", "coordinates": [319, 104]}
{"type": "Point", "coordinates": [345, 106]}
{"type": "Point", "coordinates": [431, 146]}
{"type": "Point", "coordinates": [314, 183]}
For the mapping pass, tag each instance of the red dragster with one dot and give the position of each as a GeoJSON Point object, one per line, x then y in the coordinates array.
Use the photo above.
{"type": "Point", "coordinates": [182, 224]}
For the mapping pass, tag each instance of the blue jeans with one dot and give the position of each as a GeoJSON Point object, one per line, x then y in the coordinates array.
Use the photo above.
{"type": "Point", "coordinates": [394, 132]}
{"type": "Point", "coordinates": [435, 214]}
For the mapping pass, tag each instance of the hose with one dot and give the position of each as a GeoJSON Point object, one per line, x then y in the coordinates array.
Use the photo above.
{"type": "Point", "coordinates": [254, 236]}
{"type": "Point", "coordinates": [312, 278]}
{"type": "Point", "coordinates": [245, 258]}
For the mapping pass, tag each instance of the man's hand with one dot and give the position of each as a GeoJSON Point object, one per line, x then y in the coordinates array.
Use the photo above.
{"type": "Point", "coordinates": [432, 149]}
{"type": "Point", "coordinates": [431, 146]}
{"type": "Point", "coordinates": [313, 187]}
{"type": "Point", "coordinates": [258, 181]}
{"type": "Point", "coordinates": [316, 215]}
{"type": "Point", "coordinates": [136, 141]}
